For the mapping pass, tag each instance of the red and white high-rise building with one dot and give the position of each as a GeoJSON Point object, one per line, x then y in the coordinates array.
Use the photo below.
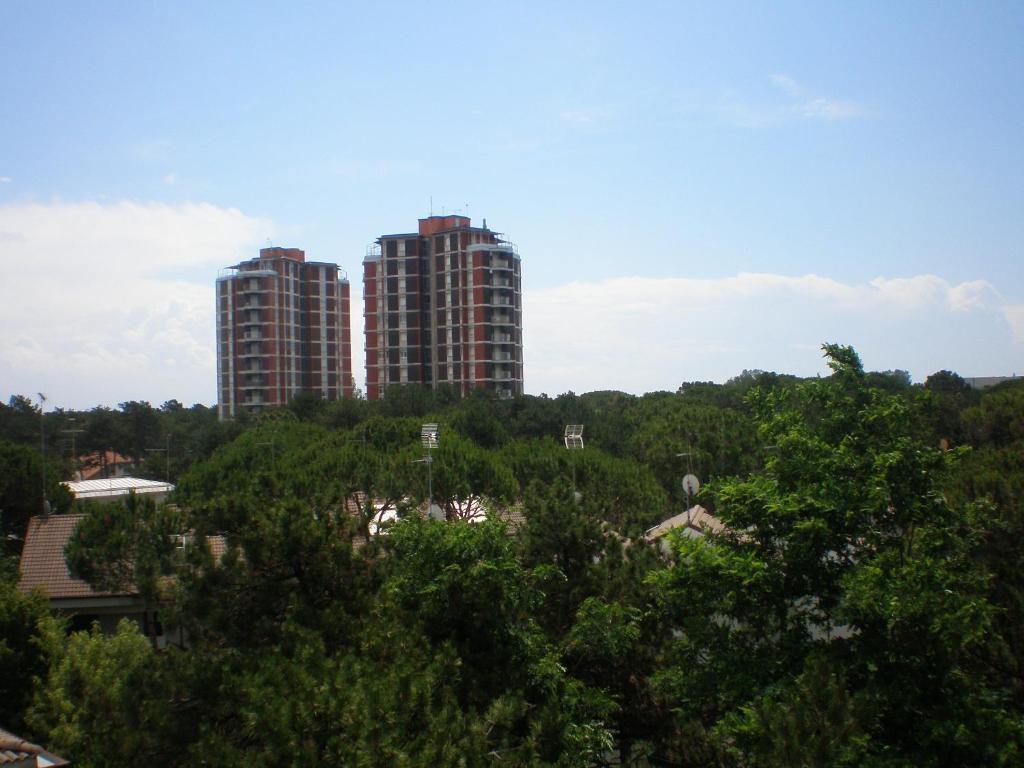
{"type": "Point", "coordinates": [283, 328]}
{"type": "Point", "coordinates": [443, 305]}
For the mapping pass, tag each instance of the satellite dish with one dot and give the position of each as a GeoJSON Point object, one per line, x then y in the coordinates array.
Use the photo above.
{"type": "Point", "coordinates": [691, 485]}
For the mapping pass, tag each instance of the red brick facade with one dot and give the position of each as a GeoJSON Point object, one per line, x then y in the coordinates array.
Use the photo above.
{"type": "Point", "coordinates": [283, 328]}
{"type": "Point", "coordinates": [443, 306]}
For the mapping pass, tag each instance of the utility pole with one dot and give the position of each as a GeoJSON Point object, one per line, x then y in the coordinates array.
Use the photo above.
{"type": "Point", "coordinates": [166, 450]}
{"type": "Point", "coordinates": [74, 453]}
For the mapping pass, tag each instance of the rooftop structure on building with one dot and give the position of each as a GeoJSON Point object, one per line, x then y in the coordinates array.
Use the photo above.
{"type": "Point", "coordinates": [113, 488]}
{"type": "Point", "coordinates": [102, 464]}
{"type": "Point", "coordinates": [985, 382]}
{"type": "Point", "coordinates": [283, 329]}
{"type": "Point", "coordinates": [443, 306]}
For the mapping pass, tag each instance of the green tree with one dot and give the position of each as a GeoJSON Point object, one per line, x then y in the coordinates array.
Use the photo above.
{"type": "Point", "coordinates": [465, 479]}
{"type": "Point", "coordinates": [19, 421]}
{"type": "Point", "coordinates": [21, 492]}
{"type": "Point", "coordinates": [107, 701]}
{"type": "Point", "coordinates": [844, 546]}
{"type": "Point", "coordinates": [25, 627]}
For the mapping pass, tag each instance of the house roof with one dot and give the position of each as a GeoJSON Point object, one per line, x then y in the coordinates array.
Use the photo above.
{"type": "Point", "coordinates": [42, 559]}
{"type": "Point", "coordinates": [91, 465]}
{"type": "Point", "coordinates": [116, 486]}
{"type": "Point", "coordinates": [696, 519]}
{"type": "Point", "coordinates": [15, 751]}
{"type": "Point", "coordinates": [43, 565]}
{"type": "Point", "coordinates": [513, 516]}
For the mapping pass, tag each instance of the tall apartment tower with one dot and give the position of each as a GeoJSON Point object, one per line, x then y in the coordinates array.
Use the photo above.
{"type": "Point", "coordinates": [443, 306]}
{"type": "Point", "coordinates": [283, 328]}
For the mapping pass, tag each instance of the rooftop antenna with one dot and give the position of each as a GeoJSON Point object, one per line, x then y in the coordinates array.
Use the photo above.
{"type": "Point", "coordinates": [467, 210]}
{"type": "Point", "coordinates": [42, 452]}
{"type": "Point", "coordinates": [690, 483]}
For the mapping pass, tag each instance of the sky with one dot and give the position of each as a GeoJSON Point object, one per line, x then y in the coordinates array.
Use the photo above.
{"type": "Point", "coordinates": [695, 188]}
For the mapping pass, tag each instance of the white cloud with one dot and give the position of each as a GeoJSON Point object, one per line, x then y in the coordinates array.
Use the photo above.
{"type": "Point", "coordinates": [797, 105]}
{"type": "Point", "coordinates": [104, 303]}
{"type": "Point", "coordinates": [786, 83]}
{"type": "Point", "coordinates": [640, 334]}
{"type": "Point", "coordinates": [829, 109]}
{"type": "Point", "coordinates": [1014, 314]}
{"type": "Point", "coordinates": [584, 115]}
{"type": "Point", "coordinates": [5, 179]}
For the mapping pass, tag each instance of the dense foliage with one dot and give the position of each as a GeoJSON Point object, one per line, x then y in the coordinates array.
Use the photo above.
{"type": "Point", "coordinates": [862, 606]}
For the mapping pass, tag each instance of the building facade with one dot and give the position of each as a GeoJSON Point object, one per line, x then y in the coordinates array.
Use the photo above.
{"type": "Point", "coordinates": [443, 305]}
{"type": "Point", "coordinates": [283, 328]}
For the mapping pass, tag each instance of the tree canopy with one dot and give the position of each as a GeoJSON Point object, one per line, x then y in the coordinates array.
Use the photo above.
{"type": "Point", "coordinates": [861, 604]}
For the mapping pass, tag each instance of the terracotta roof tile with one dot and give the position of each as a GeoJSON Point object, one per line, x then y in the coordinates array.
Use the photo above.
{"type": "Point", "coordinates": [696, 519]}
{"type": "Point", "coordinates": [42, 559]}
{"type": "Point", "coordinates": [14, 750]}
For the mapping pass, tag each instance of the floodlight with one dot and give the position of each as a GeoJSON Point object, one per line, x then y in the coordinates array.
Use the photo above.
{"type": "Point", "coordinates": [428, 436]}
{"type": "Point", "coordinates": [573, 436]}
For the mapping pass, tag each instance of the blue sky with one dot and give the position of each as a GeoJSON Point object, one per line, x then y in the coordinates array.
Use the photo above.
{"type": "Point", "coordinates": [736, 182]}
